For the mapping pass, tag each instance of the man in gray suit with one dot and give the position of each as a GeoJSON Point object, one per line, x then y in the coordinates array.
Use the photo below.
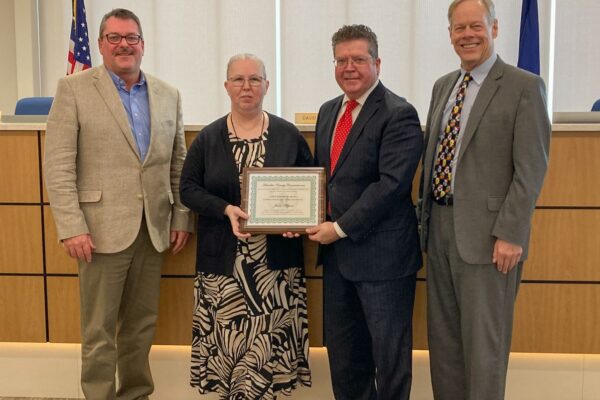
{"type": "Point", "coordinates": [487, 142]}
{"type": "Point", "coordinates": [115, 147]}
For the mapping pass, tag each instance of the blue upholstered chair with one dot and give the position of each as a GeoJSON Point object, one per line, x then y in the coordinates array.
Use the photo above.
{"type": "Point", "coordinates": [596, 106]}
{"type": "Point", "coordinates": [33, 106]}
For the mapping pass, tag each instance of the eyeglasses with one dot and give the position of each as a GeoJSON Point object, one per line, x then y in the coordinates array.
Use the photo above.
{"type": "Point", "coordinates": [358, 61]}
{"type": "Point", "coordinates": [115, 38]}
{"type": "Point", "coordinates": [254, 81]}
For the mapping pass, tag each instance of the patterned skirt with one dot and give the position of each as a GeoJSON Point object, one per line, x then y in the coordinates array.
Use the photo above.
{"type": "Point", "coordinates": [250, 331]}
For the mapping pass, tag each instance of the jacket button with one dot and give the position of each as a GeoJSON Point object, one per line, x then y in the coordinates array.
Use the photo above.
{"type": "Point", "coordinates": [140, 196]}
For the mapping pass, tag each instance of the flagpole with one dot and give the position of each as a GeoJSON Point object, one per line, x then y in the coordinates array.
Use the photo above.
{"type": "Point", "coordinates": [38, 90]}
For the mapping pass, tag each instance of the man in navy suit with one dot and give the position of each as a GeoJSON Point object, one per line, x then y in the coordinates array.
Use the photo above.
{"type": "Point", "coordinates": [369, 141]}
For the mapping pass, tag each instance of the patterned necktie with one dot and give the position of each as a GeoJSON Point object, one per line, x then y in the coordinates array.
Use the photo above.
{"type": "Point", "coordinates": [442, 169]}
{"type": "Point", "coordinates": [341, 133]}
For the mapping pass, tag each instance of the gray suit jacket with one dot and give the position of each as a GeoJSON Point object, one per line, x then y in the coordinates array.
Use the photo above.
{"type": "Point", "coordinates": [95, 178]}
{"type": "Point", "coordinates": [501, 165]}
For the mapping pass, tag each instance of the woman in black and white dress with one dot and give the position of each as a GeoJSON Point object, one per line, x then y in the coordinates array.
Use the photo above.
{"type": "Point", "coordinates": [250, 338]}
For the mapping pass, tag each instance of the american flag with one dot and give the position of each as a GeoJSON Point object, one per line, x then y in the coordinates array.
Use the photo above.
{"type": "Point", "coordinates": [529, 40]}
{"type": "Point", "coordinates": [79, 46]}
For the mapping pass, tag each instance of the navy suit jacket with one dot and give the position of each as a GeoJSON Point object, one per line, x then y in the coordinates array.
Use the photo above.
{"type": "Point", "coordinates": [370, 189]}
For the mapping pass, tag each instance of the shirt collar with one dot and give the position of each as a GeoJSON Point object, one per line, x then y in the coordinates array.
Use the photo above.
{"type": "Point", "coordinates": [361, 100]}
{"type": "Point", "coordinates": [120, 83]}
{"type": "Point", "coordinates": [480, 72]}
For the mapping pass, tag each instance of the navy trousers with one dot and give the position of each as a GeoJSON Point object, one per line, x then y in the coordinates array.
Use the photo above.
{"type": "Point", "coordinates": [368, 334]}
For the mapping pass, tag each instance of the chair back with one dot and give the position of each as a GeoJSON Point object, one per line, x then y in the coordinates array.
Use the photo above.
{"type": "Point", "coordinates": [33, 106]}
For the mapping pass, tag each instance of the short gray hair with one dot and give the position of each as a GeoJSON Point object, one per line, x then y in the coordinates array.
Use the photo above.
{"type": "Point", "coordinates": [488, 4]}
{"type": "Point", "coordinates": [246, 56]}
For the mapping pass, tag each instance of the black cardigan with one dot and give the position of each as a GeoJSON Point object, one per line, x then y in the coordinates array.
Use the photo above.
{"type": "Point", "coordinates": [210, 182]}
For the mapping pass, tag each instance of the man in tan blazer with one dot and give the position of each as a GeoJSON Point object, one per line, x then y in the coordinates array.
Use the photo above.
{"type": "Point", "coordinates": [114, 151]}
{"type": "Point", "coordinates": [487, 141]}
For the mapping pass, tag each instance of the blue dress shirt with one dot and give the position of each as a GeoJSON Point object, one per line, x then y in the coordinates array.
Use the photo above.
{"type": "Point", "coordinates": [137, 107]}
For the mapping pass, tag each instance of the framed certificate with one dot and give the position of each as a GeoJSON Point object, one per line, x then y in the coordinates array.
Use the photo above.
{"type": "Point", "coordinates": [282, 199]}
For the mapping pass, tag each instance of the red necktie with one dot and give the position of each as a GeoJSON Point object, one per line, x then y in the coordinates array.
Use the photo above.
{"type": "Point", "coordinates": [341, 133]}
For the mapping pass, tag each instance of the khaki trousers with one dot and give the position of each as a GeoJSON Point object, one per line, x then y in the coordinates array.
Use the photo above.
{"type": "Point", "coordinates": [119, 306]}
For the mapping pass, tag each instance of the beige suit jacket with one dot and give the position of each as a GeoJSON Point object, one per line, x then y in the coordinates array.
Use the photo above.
{"type": "Point", "coordinates": [95, 178]}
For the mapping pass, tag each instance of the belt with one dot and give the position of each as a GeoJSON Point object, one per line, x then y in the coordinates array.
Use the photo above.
{"type": "Point", "coordinates": [447, 200]}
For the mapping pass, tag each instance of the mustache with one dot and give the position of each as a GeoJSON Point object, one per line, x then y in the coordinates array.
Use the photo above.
{"type": "Point", "coordinates": [123, 51]}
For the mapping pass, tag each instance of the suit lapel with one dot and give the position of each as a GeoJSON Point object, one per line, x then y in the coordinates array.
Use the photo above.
{"type": "Point", "coordinates": [106, 87]}
{"type": "Point", "coordinates": [368, 109]}
{"type": "Point", "coordinates": [154, 106]}
{"type": "Point", "coordinates": [486, 93]}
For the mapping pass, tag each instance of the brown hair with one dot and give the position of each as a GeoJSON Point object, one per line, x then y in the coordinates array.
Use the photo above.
{"type": "Point", "coordinates": [356, 32]}
{"type": "Point", "coordinates": [120, 13]}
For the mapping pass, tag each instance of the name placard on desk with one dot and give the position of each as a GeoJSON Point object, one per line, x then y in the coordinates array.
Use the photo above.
{"type": "Point", "coordinates": [23, 119]}
{"type": "Point", "coordinates": [306, 118]}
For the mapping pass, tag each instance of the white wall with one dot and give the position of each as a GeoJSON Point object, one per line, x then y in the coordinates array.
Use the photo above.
{"type": "Point", "coordinates": [8, 64]}
{"type": "Point", "coordinates": [54, 31]}
{"type": "Point", "coordinates": [577, 57]}
{"type": "Point", "coordinates": [189, 42]}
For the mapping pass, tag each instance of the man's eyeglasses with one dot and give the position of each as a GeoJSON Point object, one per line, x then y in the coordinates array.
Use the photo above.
{"type": "Point", "coordinates": [254, 81]}
{"type": "Point", "coordinates": [358, 61]}
{"type": "Point", "coordinates": [115, 38]}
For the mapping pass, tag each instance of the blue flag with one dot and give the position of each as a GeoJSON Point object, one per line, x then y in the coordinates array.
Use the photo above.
{"type": "Point", "coordinates": [529, 39]}
{"type": "Point", "coordinates": [79, 45]}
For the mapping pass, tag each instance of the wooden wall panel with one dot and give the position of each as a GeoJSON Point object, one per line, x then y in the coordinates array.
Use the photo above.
{"type": "Point", "coordinates": [420, 318]}
{"type": "Point", "coordinates": [182, 263]}
{"type": "Point", "coordinates": [174, 326]}
{"type": "Point", "coordinates": [19, 167]}
{"type": "Point", "coordinates": [189, 137]}
{"type": "Point", "coordinates": [550, 317]}
{"type": "Point", "coordinates": [557, 318]}
{"type": "Point", "coordinates": [22, 309]}
{"type": "Point", "coordinates": [564, 246]}
{"type": "Point", "coordinates": [310, 258]}
{"type": "Point", "coordinates": [42, 147]}
{"type": "Point", "coordinates": [176, 308]}
{"type": "Point", "coordinates": [63, 309]}
{"type": "Point", "coordinates": [415, 185]}
{"type": "Point", "coordinates": [21, 239]}
{"type": "Point", "coordinates": [574, 170]}
{"type": "Point", "coordinates": [314, 289]}
{"type": "Point", "coordinates": [310, 139]}
{"type": "Point", "coordinates": [57, 260]}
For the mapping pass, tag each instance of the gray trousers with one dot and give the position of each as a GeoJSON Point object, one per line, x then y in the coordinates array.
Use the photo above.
{"type": "Point", "coordinates": [469, 317]}
{"type": "Point", "coordinates": [119, 307]}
